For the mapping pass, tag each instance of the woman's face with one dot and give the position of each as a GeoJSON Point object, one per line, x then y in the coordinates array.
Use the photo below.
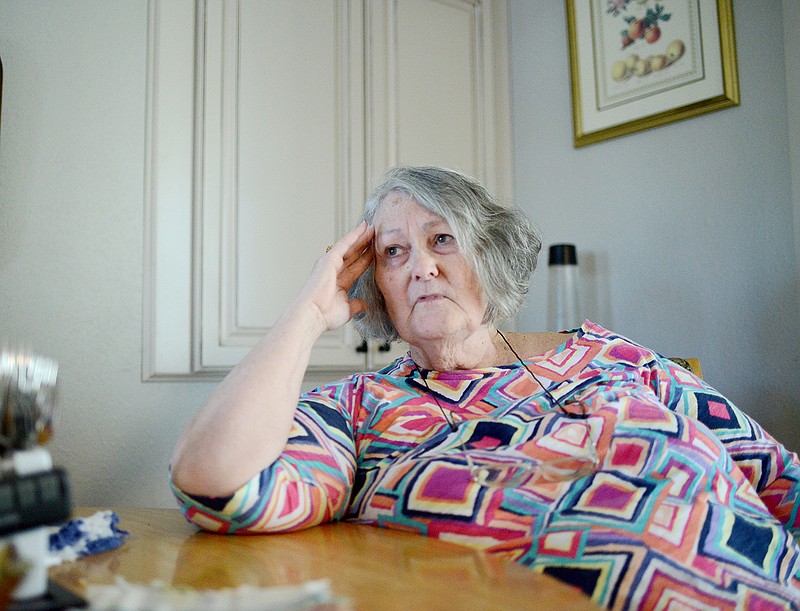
{"type": "Point", "coordinates": [431, 291]}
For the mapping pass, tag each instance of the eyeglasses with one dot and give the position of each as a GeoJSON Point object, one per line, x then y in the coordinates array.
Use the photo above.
{"type": "Point", "coordinates": [492, 469]}
{"type": "Point", "coordinates": [506, 471]}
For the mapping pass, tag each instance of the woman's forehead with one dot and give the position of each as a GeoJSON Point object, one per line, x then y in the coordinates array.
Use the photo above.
{"type": "Point", "coordinates": [398, 211]}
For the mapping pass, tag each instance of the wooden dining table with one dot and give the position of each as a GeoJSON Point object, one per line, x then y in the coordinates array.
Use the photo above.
{"type": "Point", "coordinates": [369, 567]}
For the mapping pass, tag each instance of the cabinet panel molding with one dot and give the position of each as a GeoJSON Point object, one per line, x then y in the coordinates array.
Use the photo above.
{"type": "Point", "coordinates": [169, 175]}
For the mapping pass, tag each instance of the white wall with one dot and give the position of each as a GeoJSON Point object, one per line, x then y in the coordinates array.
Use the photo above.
{"type": "Point", "coordinates": [707, 201]}
{"type": "Point", "coordinates": [791, 34]}
{"type": "Point", "coordinates": [71, 235]}
{"type": "Point", "coordinates": [684, 232]}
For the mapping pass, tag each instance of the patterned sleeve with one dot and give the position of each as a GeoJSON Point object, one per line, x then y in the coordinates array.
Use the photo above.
{"type": "Point", "coordinates": [770, 467]}
{"type": "Point", "coordinates": [310, 483]}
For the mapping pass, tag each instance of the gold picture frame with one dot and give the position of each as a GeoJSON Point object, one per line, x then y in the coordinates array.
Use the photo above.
{"type": "Point", "coordinates": [639, 64]}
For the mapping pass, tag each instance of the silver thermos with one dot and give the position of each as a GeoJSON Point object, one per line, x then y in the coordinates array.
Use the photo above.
{"type": "Point", "coordinates": [563, 301]}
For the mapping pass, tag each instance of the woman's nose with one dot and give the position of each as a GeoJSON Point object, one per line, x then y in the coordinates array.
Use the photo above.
{"type": "Point", "coordinates": [423, 265]}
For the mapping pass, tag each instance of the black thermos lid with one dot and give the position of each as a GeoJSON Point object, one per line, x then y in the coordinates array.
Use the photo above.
{"type": "Point", "coordinates": [563, 254]}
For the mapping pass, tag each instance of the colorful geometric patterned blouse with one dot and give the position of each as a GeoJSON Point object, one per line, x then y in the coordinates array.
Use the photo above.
{"type": "Point", "coordinates": [692, 502]}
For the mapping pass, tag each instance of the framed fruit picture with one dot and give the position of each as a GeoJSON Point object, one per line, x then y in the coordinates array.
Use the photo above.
{"type": "Point", "coordinates": [639, 64]}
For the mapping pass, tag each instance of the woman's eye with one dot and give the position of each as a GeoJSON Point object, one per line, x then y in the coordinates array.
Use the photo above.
{"type": "Point", "coordinates": [444, 238]}
{"type": "Point", "coordinates": [392, 251]}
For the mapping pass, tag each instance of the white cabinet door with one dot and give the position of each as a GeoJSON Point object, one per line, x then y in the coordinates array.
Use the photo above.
{"type": "Point", "coordinates": [278, 149]}
{"type": "Point", "coordinates": [254, 164]}
{"type": "Point", "coordinates": [268, 121]}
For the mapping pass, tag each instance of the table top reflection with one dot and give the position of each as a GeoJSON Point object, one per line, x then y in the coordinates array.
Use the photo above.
{"type": "Point", "coordinates": [373, 568]}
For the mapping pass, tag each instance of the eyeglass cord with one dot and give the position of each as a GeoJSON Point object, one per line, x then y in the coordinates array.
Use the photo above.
{"type": "Point", "coordinates": [554, 401]}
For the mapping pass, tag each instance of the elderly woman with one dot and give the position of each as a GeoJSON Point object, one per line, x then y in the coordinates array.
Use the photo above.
{"type": "Point", "coordinates": [581, 454]}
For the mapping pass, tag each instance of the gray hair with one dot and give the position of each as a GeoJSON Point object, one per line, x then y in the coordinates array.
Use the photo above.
{"type": "Point", "coordinates": [500, 243]}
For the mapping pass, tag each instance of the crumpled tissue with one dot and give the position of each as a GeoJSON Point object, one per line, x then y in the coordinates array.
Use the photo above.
{"type": "Point", "coordinates": [308, 596]}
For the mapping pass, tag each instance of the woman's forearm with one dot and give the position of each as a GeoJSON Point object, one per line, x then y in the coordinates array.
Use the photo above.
{"type": "Point", "coordinates": [244, 425]}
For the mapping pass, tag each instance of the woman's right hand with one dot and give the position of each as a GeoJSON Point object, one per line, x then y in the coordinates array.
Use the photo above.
{"type": "Point", "coordinates": [334, 273]}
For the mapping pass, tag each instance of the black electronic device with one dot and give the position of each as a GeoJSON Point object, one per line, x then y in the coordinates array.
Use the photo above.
{"type": "Point", "coordinates": [37, 499]}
